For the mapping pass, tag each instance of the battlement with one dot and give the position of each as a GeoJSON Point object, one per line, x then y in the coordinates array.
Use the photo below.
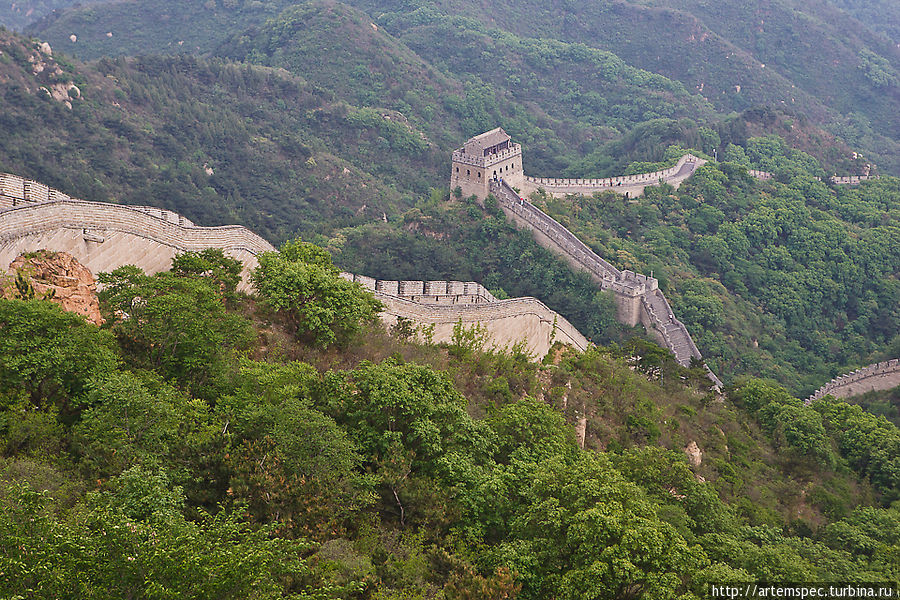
{"type": "Point", "coordinates": [427, 292]}
{"type": "Point", "coordinates": [104, 236]}
{"type": "Point", "coordinates": [486, 161]}
{"type": "Point", "coordinates": [443, 305]}
{"type": "Point", "coordinates": [17, 191]}
{"type": "Point", "coordinates": [880, 376]}
{"type": "Point", "coordinates": [638, 297]}
{"type": "Point", "coordinates": [626, 184]}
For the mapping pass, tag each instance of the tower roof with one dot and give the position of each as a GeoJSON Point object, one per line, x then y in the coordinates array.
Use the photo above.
{"type": "Point", "coordinates": [477, 144]}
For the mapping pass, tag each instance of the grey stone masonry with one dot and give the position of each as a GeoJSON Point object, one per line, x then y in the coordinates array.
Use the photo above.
{"type": "Point", "coordinates": [638, 297]}
{"type": "Point", "coordinates": [445, 304]}
{"type": "Point", "coordinates": [850, 180]}
{"type": "Point", "coordinates": [880, 376]}
{"type": "Point", "coordinates": [427, 292]}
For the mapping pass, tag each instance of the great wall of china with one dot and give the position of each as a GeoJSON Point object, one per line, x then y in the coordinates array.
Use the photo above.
{"type": "Point", "coordinates": [491, 163]}
{"type": "Point", "coordinates": [878, 377]}
{"type": "Point", "coordinates": [638, 297]}
{"type": "Point", "coordinates": [104, 236]}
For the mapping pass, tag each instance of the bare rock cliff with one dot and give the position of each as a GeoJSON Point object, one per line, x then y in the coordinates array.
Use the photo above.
{"type": "Point", "coordinates": [60, 276]}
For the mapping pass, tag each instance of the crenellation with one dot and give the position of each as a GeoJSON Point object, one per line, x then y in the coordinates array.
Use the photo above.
{"type": "Point", "coordinates": [410, 288]}
{"type": "Point", "coordinates": [436, 288]}
{"type": "Point", "coordinates": [880, 376]}
{"type": "Point", "coordinates": [635, 294]}
{"type": "Point", "coordinates": [36, 192]}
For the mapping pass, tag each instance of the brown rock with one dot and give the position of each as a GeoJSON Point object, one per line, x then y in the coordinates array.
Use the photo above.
{"type": "Point", "coordinates": [694, 455]}
{"type": "Point", "coordinates": [69, 283]}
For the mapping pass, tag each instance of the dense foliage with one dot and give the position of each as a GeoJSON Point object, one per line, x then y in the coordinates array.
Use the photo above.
{"type": "Point", "coordinates": [302, 281]}
{"type": "Point", "coordinates": [208, 445]}
{"type": "Point", "coordinates": [792, 278]}
{"type": "Point", "coordinates": [396, 470]}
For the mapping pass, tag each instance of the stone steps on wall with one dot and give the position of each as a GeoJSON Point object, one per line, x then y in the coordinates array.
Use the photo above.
{"type": "Point", "coordinates": [675, 335]}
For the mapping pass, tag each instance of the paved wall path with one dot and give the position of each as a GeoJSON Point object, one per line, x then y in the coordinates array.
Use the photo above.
{"type": "Point", "coordinates": [105, 236]}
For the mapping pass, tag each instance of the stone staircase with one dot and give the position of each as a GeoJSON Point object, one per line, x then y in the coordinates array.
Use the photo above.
{"type": "Point", "coordinates": [658, 313]}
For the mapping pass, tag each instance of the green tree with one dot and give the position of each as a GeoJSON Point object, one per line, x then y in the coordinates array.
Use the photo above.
{"type": "Point", "coordinates": [50, 354]}
{"type": "Point", "coordinates": [223, 272]}
{"type": "Point", "coordinates": [302, 281]}
{"type": "Point", "coordinates": [177, 326]}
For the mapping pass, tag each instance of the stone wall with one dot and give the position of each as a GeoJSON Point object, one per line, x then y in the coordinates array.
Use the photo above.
{"type": "Point", "coordinates": [104, 236]}
{"type": "Point", "coordinates": [17, 191]}
{"type": "Point", "coordinates": [630, 185]}
{"type": "Point", "coordinates": [877, 377]}
{"type": "Point", "coordinates": [852, 180]}
{"type": "Point", "coordinates": [428, 292]}
{"type": "Point", "coordinates": [638, 298]}
{"type": "Point", "coordinates": [763, 175]}
{"type": "Point", "coordinates": [508, 322]}
{"type": "Point", "coordinates": [443, 304]}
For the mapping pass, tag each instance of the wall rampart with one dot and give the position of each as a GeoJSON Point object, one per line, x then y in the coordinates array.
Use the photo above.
{"type": "Point", "coordinates": [638, 297]}
{"type": "Point", "coordinates": [625, 184]}
{"type": "Point", "coordinates": [507, 322]}
{"type": "Point", "coordinates": [427, 292]}
{"type": "Point", "coordinates": [104, 236]}
{"type": "Point", "coordinates": [880, 376]}
{"type": "Point", "coordinates": [851, 180]}
{"type": "Point", "coordinates": [78, 214]}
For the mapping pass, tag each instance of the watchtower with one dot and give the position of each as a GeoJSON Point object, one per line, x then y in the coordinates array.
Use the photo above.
{"type": "Point", "coordinates": [491, 155]}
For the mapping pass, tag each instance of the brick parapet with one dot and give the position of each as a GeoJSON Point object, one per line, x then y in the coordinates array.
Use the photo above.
{"type": "Point", "coordinates": [427, 292]}
{"type": "Point", "coordinates": [609, 277]}
{"type": "Point", "coordinates": [486, 312]}
{"type": "Point", "coordinates": [624, 284]}
{"type": "Point", "coordinates": [570, 185]}
{"type": "Point", "coordinates": [886, 371]}
{"type": "Point", "coordinates": [486, 161]}
{"type": "Point", "coordinates": [78, 214]}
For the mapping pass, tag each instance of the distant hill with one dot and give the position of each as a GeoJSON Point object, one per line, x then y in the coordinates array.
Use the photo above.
{"type": "Point", "coordinates": [220, 142]}
{"type": "Point", "coordinates": [807, 56]}
{"type": "Point", "coordinates": [20, 13]}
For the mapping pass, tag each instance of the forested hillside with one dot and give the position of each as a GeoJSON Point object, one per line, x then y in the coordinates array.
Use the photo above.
{"type": "Point", "coordinates": [802, 55]}
{"type": "Point", "coordinates": [347, 152]}
{"type": "Point", "coordinates": [205, 444]}
{"type": "Point", "coordinates": [252, 449]}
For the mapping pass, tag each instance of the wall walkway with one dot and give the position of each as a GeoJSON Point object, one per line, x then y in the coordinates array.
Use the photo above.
{"type": "Point", "coordinates": [444, 304]}
{"type": "Point", "coordinates": [851, 180]}
{"type": "Point", "coordinates": [638, 298]}
{"type": "Point", "coordinates": [104, 236]}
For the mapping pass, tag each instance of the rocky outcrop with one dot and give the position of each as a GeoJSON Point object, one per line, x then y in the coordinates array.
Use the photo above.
{"type": "Point", "coordinates": [59, 277]}
{"type": "Point", "coordinates": [694, 454]}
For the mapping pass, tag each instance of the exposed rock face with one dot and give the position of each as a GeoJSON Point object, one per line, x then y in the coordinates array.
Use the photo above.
{"type": "Point", "coordinates": [72, 284]}
{"type": "Point", "coordinates": [694, 455]}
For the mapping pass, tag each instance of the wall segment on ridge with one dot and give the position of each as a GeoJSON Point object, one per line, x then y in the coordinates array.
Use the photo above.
{"type": "Point", "coordinates": [104, 236]}
{"type": "Point", "coordinates": [880, 376]}
{"type": "Point", "coordinates": [638, 297]}
{"type": "Point", "coordinates": [629, 185]}
{"type": "Point", "coordinates": [444, 304]}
